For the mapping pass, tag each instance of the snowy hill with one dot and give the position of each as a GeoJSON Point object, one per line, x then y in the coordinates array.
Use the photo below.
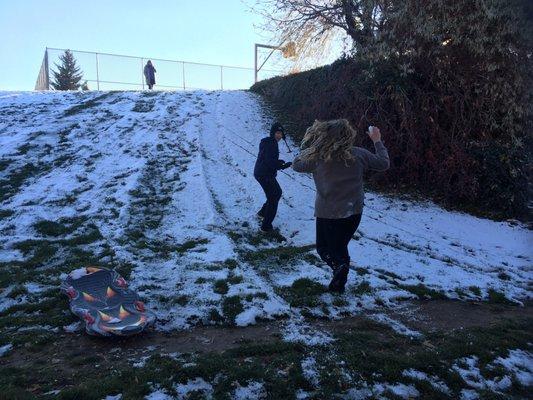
{"type": "Point", "coordinates": [160, 184]}
{"type": "Point", "coordinates": [160, 187]}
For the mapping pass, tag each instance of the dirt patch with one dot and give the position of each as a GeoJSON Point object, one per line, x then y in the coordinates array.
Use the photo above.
{"type": "Point", "coordinates": [423, 316]}
{"type": "Point", "coordinates": [199, 339]}
{"type": "Point", "coordinates": [131, 365]}
{"type": "Point", "coordinates": [446, 315]}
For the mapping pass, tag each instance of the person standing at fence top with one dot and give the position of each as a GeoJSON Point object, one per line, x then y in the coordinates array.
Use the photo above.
{"type": "Point", "coordinates": [328, 152]}
{"type": "Point", "coordinates": [149, 74]}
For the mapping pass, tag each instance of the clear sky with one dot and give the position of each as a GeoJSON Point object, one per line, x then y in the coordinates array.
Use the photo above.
{"type": "Point", "coordinates": [208, 31]}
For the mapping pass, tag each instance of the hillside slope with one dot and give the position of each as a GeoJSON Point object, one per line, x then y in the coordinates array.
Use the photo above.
{"type": "Point", "coordinates": [160, 186]}
{"type": "Point", "coordinates": [162, 182]}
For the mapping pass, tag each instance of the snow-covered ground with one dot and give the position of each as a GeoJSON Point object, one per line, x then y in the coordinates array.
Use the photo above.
{"type": "Point", "coordinates": [162, 182]}
{"type": "Point", "coordinates": [167, 180]}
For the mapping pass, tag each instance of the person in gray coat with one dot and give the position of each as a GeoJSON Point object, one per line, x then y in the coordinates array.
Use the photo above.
{"type": "Point", "coordinates": [328, 152]}
{"type": "Point", "coordinates": [149, 74]}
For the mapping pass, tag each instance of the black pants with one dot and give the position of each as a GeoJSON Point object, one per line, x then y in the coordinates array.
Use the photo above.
{"type": "Point", "coordinates": [332, 238]}
{"type": "Point", "coordinates": [273, 193]}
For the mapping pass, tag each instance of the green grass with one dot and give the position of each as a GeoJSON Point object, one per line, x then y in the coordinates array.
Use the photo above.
{"type": "Point", "coordinates": [45, 259]}
{"type": "Point", "coordinates": [496, 297]}
{"type": "Point", "coordinates": [190, 244]}
{"type": "Point", "coordinates": [86, 105]}
{"type": "Point", "coordinates": [256, 237]}
{"type": "Point", "coordinates": [14, 180]}
{"type": "Point", "coordinates": [49, 308]}
{"type": "Point", "coordinates": [362, 288]}
{"type": "Point", "coordinates": [181, 300]}
{"type": "Point", "coordinates": [258, 295]}
{"type": "Point", "coordinates": [367, 351]}
{"type": "Point", "coordinates": [5, 163]}
{"type": "Point", "coordinates": [143, 106]}
{"type": "Point", "coordinates": [231, 307]}
{"type": "Point", "coordinates": [62, 227]}
{"type": "Point", "coordinates": [302, 293]}
{"type": "Point", "coordinates": [17, 291]}
{"type": "Point", "coordinates": [23, 149]}
{"type": "Point", "coordinates": [389, 274]}
{"type": "Point", "coordinates": [215, 317]}
{"type": "Point", "coordinates": [220, 286]}
{"type": "Point", "coordinates": [339, 302]}
{"type": "Point", "coordinates": [235, 279]}
{"type": "Point", "coordinates": [504, 276]}
{"type": "Point", "coordinates": [231, 263]}
{"type": "Point", "coordinates": [5, 213]}
{"type": "Point", "coordinates": [423, 292]}
{"type": "Point", "coordinates": [475, 290]}
{"type": "Point", "coordinates": [39, 250]}
{"type": "Point", "coordinates": [277, 255]}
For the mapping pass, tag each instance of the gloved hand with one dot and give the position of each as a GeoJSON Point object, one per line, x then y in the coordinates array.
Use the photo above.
{"type": "Point", "coordinates": [286, 165]}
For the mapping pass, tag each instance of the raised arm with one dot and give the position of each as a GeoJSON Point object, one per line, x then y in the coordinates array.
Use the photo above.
{"type": "Point", "coordinates": [303, 166]}
{"type": "Point", "coordinates": [378, 161]}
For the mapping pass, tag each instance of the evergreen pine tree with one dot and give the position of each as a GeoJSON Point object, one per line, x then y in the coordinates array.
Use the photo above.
{"type": "Point", "coordinates": [68, 74]}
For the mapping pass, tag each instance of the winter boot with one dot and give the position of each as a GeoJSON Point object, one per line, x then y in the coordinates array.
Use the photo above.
{"type": "Point", "coordinates": [340, 277]}
{"type": "Point", "coordinates": [266, 228]}
{"type": "Point", "coordinates": [261, 212]}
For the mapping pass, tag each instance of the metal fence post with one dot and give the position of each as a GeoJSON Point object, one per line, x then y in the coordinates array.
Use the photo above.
{"type": "Point", "coordinates": [47, 70]}
{"type": "Point", "coordinates": [255, 63]}
{"type": "Point", "coordinates": [97, 74]}
{"type": "Point", "coordinates": [142, 72]}
{"type": "Point", "coordinates": [183, 74]}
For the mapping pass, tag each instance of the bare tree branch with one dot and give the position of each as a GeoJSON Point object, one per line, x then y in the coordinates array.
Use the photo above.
{"type": "Point", "coordinates": [316, 26]}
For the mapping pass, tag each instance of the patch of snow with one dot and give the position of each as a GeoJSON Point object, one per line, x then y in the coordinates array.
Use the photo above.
{"type": "Point", "coordinates": [399, 389]}
{"type": "Point", "coordinates": [254, 390]}
{"type": "Point", "coordinates": [194, 385]}
{"type": "Point", "coordinates": [35, 288]}
{"type": "Point", "coordinates": [300, 332]}
{"type": "Point", "coordinates": [468, 368]}
{"type": "Point", "coordinates": [358, 394]}
{"type": "Point", "coordinates": [73, 327]}
{"type": "Point", "coordinates": [158, 394]}
{"type": "Point", "coordinates": [469, 394]}
{"type": "Point", "coordinates": [115, 397]}
{"type": "Point", "coordinates": [433, 380]}
{"type": "Point", "coordinates": [5, 348]}
{"type": "Point", "coordinates": [78, 273]}
{"type": "Point", "coordinates": [520, 364]}
{"type": "Point", "coordinates": [302, 394]}
{"type": "Point", "coordinates": [310, 372]}
{"type": "Point", "coordinates": [396, 325]}
{"type": "Point", "coordinates": [6, 302]}
{"type": "Point", "coordinates": [141, 362]}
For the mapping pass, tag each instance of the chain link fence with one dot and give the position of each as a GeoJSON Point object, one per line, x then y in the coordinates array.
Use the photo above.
{"type": "Point", "coordinates": [104, 71]}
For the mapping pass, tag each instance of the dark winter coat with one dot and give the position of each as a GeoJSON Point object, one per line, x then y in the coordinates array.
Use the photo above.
{"type": "Point", "coordinates": [149, 74]}
{"type": "Point", "coordinates": [267, 163]}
